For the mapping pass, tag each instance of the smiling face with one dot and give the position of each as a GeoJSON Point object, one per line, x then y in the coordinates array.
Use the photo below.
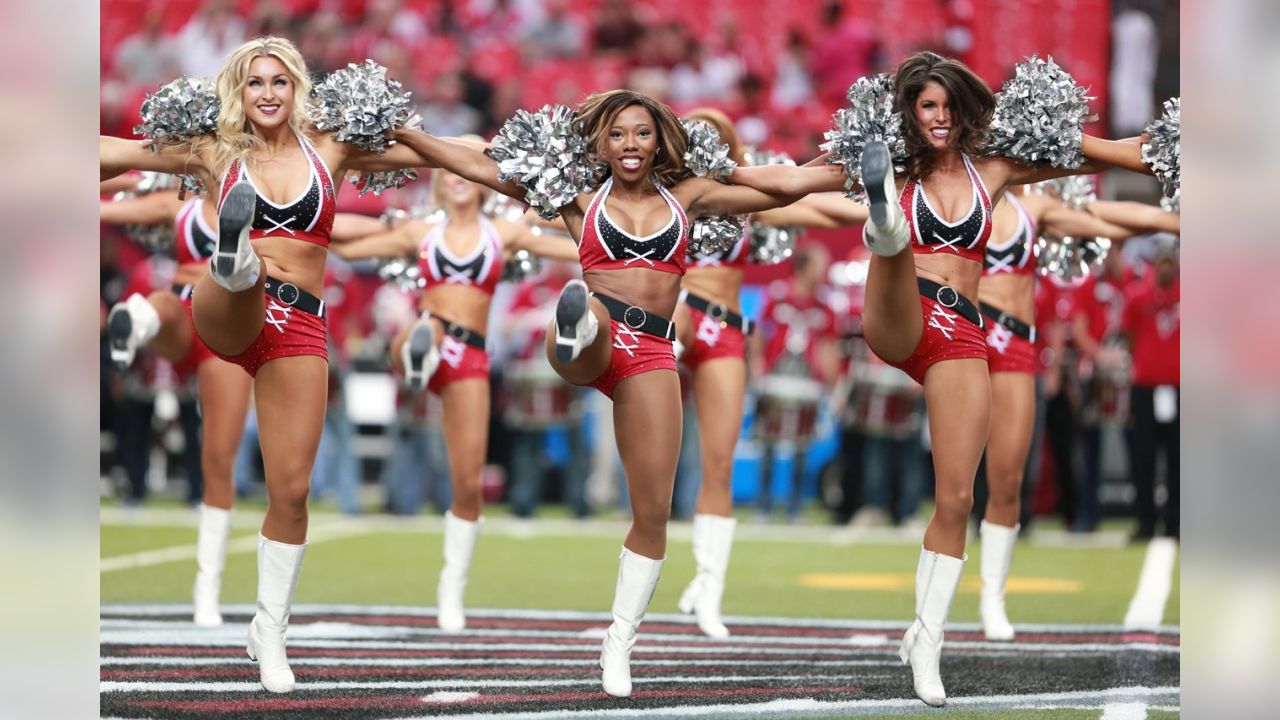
{"type": "Point", "coordinates": [631, 143]}
{"type": "Point", "coordinates": [934, 115]}
{"type": "Point", "coordinates": [268, 93]}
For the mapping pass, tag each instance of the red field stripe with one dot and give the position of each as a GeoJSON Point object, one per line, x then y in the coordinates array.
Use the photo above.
{"type": "Point", "coordinates": [312, 672]}
{"type": "Point", "coordinates": [829, 653]}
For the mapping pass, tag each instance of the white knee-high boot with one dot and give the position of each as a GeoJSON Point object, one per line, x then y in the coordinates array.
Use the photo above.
{"type": "Point", "coordinates": [278, 567]}
{"type": "Point", "coordinates": [712, 543]}
{"type": "Point", "coordinates": [936, 579]}
{"type": "Point", "coordinates": [637, 579]}
{"type": "Point", "coordinates": [459, 545]}
{"type": "Point", "coordinates": [998, 542]}
{"type": "Point", "coordinates": [211, 556]}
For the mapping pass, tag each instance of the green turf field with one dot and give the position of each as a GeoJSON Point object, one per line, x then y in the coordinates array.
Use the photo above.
{"type": "Point", "coordinates": [563, 566]}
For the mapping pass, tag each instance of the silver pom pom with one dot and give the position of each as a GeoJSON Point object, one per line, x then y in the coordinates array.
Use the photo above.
{"type": "Point", "coordinates": [1040, 116]}
{"type": "Point", "coordinates": [706, 156]}
{"type": "Point", "coordinates": [869, 116]}
{"type": "Point", "coordinates": [404, 273]}
{"type": "Point", "coordinates": [503, 207]}
{"type": "Point", "coordinates": [380, 182]}
{"type": "Point", "coordinates": [715, 234]}
{"type": "Point", "coordinates": [1071, 259]}
{"type": "Point", "coordinates": [522, 266]}
{"type": "Point", "coordinates": [546, 155]}
{"type": "Point", "coordinates": [179, 111]}
{"type": "Point", "coordinates": [771, 244]}
{"type": "Point", "coordinates": [1163, 154]}
{"type": "Point", "coordinates": [159, 237]}
{"type": "Point", "coordinates": [1074, 191]}
{"type": "Point", "coordinates": [361, 106]}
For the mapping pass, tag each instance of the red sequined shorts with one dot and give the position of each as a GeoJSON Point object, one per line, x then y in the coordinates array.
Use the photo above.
{"type": "Point", "coordinates": [198, 352]}
{"type": "Point", "coordinates": [458, 361]}
{"type": "Point", "coordinates": [713, 339]}
{"type": "Point", "coordinates": [1009, 352]}
{"type": "Point", "coordinates": [287, 331]}
{"type": "Point", "coordinates": [948, 335]}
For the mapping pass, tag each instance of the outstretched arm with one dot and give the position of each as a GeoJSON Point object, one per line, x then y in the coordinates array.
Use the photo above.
{"type": "Point", "coordinates": [459, 159]}
{"type": "Point", "coordinates": [790, 180]}
{"type": "Point", "coordinates": [703, 197]}
{"type": "Point", "coordinates": [820, 210]}
{"type": "Point", "coordinates": [518, 236]}
{"type": "Point", "coordinates": [1062, 221]}
{"type": "Point", "coordinates": [399, 242]}
{"type": "Point", "coordinates": [155, 209]}
{"type": "Point", "coordinates": [1137, 216]}
{"type": "Point", "coordinates": [1101, 154]}
{"type": "Point", "coordinates": [118, 155]}
{"type": "Point", "coordinates": [353, 226]}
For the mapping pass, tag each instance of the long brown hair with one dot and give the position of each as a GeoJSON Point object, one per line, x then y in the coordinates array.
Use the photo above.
{"type": "Point", "coordinates": [724, 126]}
{"type": "Point", "coordinates": [597, 113]}
{"type": "Point", "coordinates": [971, 101]}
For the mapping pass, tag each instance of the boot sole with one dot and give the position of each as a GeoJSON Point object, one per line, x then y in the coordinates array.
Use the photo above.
{"type": "Point", "coordinates": [119, 330]}
{"type": "Point", "coordinates": [421, 340]}
{"type": "Point", "coordinates": [234, 219]}
{"type": "Point", "coordinates": [570, 309]}
{"type": "Point", "coordinates": [875, 166]}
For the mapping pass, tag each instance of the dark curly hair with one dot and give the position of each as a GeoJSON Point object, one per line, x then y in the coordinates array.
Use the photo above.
{"type": "Point", "coordinates": [596, 115]}
{"type": "Point", "coordinates": [972, 104]}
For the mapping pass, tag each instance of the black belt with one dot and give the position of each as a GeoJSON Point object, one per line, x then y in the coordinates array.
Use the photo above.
{"type": "Point", "coordinates": [461, 333]}
{"type": "Point", "coordinates": [718, 311]}
{"type": "Point", "coordinates": [1009, 322]}
{"type": "Point", "coordinates": [637, 318]}
{"type": "Point", "coordinates": [293, 296]}
{"type": "Point", "coordinates": [950, 299]}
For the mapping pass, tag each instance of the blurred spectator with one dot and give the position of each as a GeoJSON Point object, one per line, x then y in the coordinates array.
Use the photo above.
{"type": "Point", "coordinates": [617, 29]}
{"type": "Point", "coordinates": [445, 114]}
{"type": "Point", "coordinates": [321, 43]}
{"type": "Point", "coordinates": [488, 22]}
{"type": "Point", "coordinates": [845, 50]}
{"type": "Point", "coordinates": [149, 57]}
{"type": "Point", "coordinates": [1135, 46]}
{"type": "Point", "coordinates": [1153, 326]}
{"type": "Point", "coordinates": [793, 84]}
{"type": "Point", "coordinates": [559, 35]}
{"type": "Point", "coordinates": [701, 77]}
{"type": "Point", "coordinates": [209, 37]}
{"type": "Point", "coordinates": [269, 17]}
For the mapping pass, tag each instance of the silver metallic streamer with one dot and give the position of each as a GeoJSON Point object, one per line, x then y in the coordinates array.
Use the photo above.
{"type": "Point", "coordinates": [705, 155]}
{"type": "Point", "coordinates": [1071, 258]}
{"type": "Point", "coordinates": [180, 111]}
{"type": "Point", "coordinates": [158, 237]}
{"type": "Point", "coordinates": [769, 244]}
{"type": "Point", "coordinates": [362, 106]}
{"type": "Point", "coordinates": [1163, 154]}
{"type": "Point", "coordinates": [1074, 191]}
{"type": "Point", "coordinates": [869, 116]}
{"type": "Point", "coordinates": [1040, 116]}
{"type": "Point", "coordinates": [405, 273]}
{"type": "Point", "coordinates": [546, 155]}
{"type": "Point", "coordinates": [504, 207]}
{"type": "Point", "coordinates": [715, 234]}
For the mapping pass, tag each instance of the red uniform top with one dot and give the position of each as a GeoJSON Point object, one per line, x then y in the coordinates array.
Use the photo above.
{"type": "Point", "coordinates": [1151, 318]}
{"type": "Point", "coordinates": [1100, 299]}
{"type": "Point", "coordinates": [309, 217]}
{"type": "Point", "coordinates": [1015, 255]}
{"type": "Point", "coordinates": [606, 247]}
{"type": "Point", "coordinates": [795, 323]}
{"type": "Point", "coordinates": [480, 269]}
{"type": "Point", "coordinates": [967, 237]}
{"type": "Point", "coordinates": [195, 240]}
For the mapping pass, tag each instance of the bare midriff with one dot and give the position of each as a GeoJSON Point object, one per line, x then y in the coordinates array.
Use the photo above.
{"type": "Point", "coordinates": [959, 273]}
{"type": "Point", "coordinates": [1012, 294]}
{"type": "Point", "coordinates": [652, 290]}
{"type": "Point", "coordinates": [293, 261]}
{"type": "Point", "coordinates": [721, 285]}
{"type": "Point", "coordinates": [465, 306]}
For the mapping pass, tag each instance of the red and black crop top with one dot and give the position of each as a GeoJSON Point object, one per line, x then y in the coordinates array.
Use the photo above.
{"type": "Point", "coordinates": [309, 217]}
{"type": "Point", "coordinates": [605, 246]}
{"type": "Point", "coordinates": [195, 240]}
{"type": "Point", "coordinates": [480, 269]}
{"type": "Point", "coordinates": [931, 235]}
{"type": "Point", "coordinates": [1015, 255]}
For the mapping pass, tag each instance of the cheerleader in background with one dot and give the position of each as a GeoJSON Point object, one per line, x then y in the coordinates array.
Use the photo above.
{"type": "Point", "coordinates": [277, 177]}
{"type": "Point", "coordinates": [461, 257]}
{"type": "Point", "coordinates": [1007, 300]}
{"type": "Point", "coordinates": [162, 321]}
{"type": "Point", "coordinates": [918, 315]}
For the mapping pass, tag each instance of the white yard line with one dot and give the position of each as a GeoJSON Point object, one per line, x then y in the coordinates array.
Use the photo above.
{"type": "Point", "coordinates": [244, 544]}
{"type": "Point", "coordinates": [1125, 711]}
{"type": "Point", "coordinates": [1146, 610]}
